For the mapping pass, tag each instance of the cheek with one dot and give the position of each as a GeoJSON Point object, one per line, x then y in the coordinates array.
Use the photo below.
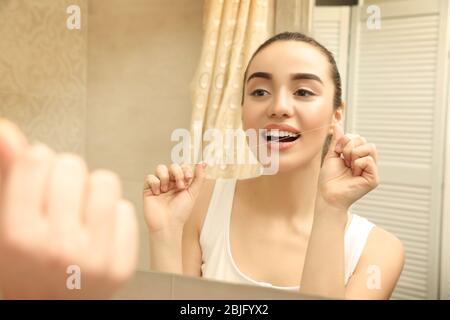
{"type": "Point", "coordinates": [251, 117]}
{"type": "Point", "coordinates": [315, 121]}
{"type": "Point", "coordinates": [315, 114]}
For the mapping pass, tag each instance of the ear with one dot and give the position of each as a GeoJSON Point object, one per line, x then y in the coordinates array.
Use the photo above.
{"type": "Point", "coordinates": [338, 117]}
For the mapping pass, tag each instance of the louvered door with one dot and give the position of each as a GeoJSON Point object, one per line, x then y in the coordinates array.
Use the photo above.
{"type": "Point", "coordinates": [396, 78]}
{"type": "Point", "coordinates": [331, 28]}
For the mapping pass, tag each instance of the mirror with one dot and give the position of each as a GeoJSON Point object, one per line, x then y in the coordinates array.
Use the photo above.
{"type": "Point", "coordinates": [134, 85]}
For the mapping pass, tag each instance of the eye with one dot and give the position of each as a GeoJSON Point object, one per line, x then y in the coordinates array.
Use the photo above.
{"type": "Point", "coordinates": [304, 93]}
{"type": "Point", "coordinates": [259, 93]}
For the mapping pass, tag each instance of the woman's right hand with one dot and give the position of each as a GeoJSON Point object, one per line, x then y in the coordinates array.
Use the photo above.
{"type": "Point", "coordinates": [65, 233]}
{"type": "Point", "coordinates": [169, 196]}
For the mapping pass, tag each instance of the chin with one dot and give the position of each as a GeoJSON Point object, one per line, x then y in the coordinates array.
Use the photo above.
{"type": "Point", "coordinates": [293, 161]}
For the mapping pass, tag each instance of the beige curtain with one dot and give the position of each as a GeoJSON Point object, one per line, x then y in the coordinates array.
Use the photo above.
{"type": "Point", "coordinates": [233, 29]}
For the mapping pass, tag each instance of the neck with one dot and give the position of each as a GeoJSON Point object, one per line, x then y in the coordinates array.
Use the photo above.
{"type": "Point", "coordinates": [287, 194]}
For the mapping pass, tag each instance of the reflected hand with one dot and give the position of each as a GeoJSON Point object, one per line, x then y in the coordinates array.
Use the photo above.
{"type": "Point", "coordinates": [170, 194]}
{"type": "Point", "coordinates": [349, 169]}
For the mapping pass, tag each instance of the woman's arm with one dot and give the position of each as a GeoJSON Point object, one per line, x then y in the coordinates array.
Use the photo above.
{"type": "Point", "coordinates": [177, 249]}
{"type": "Point", "coordinates": [166, 250]}
{"type": "Point", "coordinates": [169, 198]}
{"type": "Point", "coordinates": [323, 271]}
{"type": "Point", "coordinates": [192, 252]}
{"type": "Point", "coordinates": [379, 267]}
{"type": "Point", "coordinates": [376, 274]}
{"type": "Point", "coordinates": [349, 171]}
{"type": "Point", "coordinates": [65, 232]}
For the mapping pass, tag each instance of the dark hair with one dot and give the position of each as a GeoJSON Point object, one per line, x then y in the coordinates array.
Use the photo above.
{"type": "Point", "coordinates": [297, 36]}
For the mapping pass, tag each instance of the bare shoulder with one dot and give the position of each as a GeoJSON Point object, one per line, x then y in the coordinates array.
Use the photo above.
{"type": "Point", "coordinates": [379, 267]}
{"type": "Point", "coordinates": [381, 240]}
{"type": "Point", "coordinates": [384, 249]}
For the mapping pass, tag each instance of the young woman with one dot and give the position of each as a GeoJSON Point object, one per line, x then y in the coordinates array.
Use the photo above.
{"type": "Point", "coordinates": [291, 230]}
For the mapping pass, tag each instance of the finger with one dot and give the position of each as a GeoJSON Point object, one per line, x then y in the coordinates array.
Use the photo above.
{"type": "Point", "coordinates": [188, 174]}
{"type": "Point", "coordinates": [338, 139]}
{"type": "Point", "coordinates": [162, 172]}
{"type": "Point", "coordinates": [365, 165]}
{"type": "Point", "coordinates": [199, 177]}
{"type": "Point", "coordinates": [125, 242]}
{"type": "Point", "coordinates": [154, 184]}
{"type": "Point", "coordinates": [25, 189]}
{"type": "Point", "coordinates": [368, 149]}
{"type": "Point", "coordinates": [12, 142]}
{"type": "Point", "coordinates": [66, 189]}
{"type": "Point", "coordinates": [147, 187]}
{"type": "Point", "coordinates": [351, 144]}
{"type": "Point", "coordinates": [177, 174]}
{"type": "Point", "coordinates": [104, 192]}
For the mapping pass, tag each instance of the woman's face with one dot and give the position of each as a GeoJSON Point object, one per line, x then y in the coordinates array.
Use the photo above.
{"type": "Point", "coordinates": [289, 88]}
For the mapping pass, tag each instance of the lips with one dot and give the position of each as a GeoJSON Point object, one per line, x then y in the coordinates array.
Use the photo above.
{"type": "Point", "coordinates": [282, 126]}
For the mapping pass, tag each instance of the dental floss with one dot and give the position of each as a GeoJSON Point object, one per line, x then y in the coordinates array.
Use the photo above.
{"type": "Point", "coordinates": [301, 133]}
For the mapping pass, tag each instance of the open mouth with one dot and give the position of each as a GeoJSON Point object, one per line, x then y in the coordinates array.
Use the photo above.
{"type": "Point", "coordinates": [280, 136]}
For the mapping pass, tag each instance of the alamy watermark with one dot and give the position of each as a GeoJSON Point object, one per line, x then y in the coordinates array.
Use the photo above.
{"type": "Point", "coordinates": [73, 21]}
{"type": "Point", "coordinates": [374, 20]}
{"type": "Point", "coordinates": [225, 147]}
{"type": "Point", "coordinates": [73, 281]}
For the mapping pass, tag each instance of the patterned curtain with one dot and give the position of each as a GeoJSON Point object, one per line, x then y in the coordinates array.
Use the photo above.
{"type": "Point", "coordinates": [233, 29]}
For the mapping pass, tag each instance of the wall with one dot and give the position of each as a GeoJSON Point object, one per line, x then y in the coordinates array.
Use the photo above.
{"type": "Point", "coordinates": [112, 91]}
{"type": "Point", "coordinates": [43, 71]}
{"type": "Point", "coordinates": [142, 56]}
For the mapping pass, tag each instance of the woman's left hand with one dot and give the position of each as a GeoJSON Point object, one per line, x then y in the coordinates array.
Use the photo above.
{"type": "Point", "coordinates": [349, 170]}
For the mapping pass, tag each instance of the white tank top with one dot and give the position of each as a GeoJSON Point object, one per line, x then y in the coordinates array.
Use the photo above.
{"type": "Point", "coordinates": [217, 261]}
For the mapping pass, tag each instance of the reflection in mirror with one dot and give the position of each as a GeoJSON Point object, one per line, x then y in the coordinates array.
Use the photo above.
{"type": "Point", "coordinates": [248, 155]}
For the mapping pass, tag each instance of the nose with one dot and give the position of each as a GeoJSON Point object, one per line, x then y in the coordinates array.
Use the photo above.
{"type": "Point", "coordinates": [281, 107]}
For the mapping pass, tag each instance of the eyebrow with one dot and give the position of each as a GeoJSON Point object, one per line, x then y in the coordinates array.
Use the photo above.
{"type": "Point", "coordinates": [307, 76]}
{"type": "Point", "coordinates": [263, 75]}
{"type": "Point", "coordinates": [294, 76]}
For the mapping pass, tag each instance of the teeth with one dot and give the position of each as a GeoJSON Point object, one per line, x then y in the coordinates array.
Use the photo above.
{"type": "Point", "coordinates": [281, 133]}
